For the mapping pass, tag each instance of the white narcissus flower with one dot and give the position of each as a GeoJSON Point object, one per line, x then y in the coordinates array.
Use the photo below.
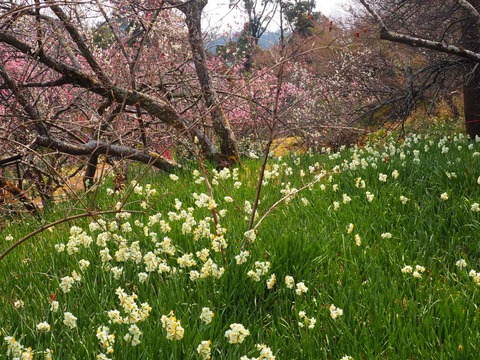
{"type": "Point", "coordinates": [54, 306]}
{"type": "Point", "coordinates": [134, 334]}
{"type": "Point", "coordinates": [301, 288]}
{"type": "Point", "coordinates": [186, 260]}
{"type": "Point", "coordinates": [48, 354]}
{"type": "Point", "coordinates": [117, 272]}
{"type": "Point", "coordinates": [335, 312]}
{"type": "Point", "coordinates": [358, 240]}
{"type": "Point", "coordinates": [271, 281]}
{"type": "Point", "coordinates": [265, 352]}
{"type": "Point", "coordinates": [350, 228]}
{"type": "Point", "coordinates": [84, 264]}
{"type": "Point", "coordinates": [289, 281]}
{"type": "Point", "coordinates": [369, 196]}
{"type": "Point", "coordinates": [242, 257]}
{"type": "Point", "coordinates": [382, 177]}
{"type": "Point", "coordinates": [204, 350]}
{"type": "Point", "coordinates": [106, 339]}
{"type": "Point", "coordinates": [174, 329]}
{"type": "Point", "coordinates": [207, 315]}
{"type": "Point", "coordinates": [142, 277]}
{"type": "Point", "coordinates": [66, 283]}
{"type": "Point", "coordinates": [70, 320]}
{"type": "Point", "coordinates": [43, 326]}
{"type": "Point", "coordinates": [236, 334]}
{"type": "Point", "coordinates": [194, 275]}
{"type": "Point", "coordinates": [419, 268]}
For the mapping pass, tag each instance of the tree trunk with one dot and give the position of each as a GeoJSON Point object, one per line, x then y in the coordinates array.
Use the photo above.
{"type": "Point", "coordinates": [228, 144]}
{"type": "Point", "coordinates": [92, 163]}
{"type": "Point", "coordinates": [471, 89]}
{"type": "Point", "coordinates": [90, 171]}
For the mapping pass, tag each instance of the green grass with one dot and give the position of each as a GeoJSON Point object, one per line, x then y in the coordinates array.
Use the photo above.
{"type": "Point", "coordinates": [387, 314]}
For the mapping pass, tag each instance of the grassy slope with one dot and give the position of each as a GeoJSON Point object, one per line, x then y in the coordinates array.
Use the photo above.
{"type": "Point", "coordinates": [386, 313]}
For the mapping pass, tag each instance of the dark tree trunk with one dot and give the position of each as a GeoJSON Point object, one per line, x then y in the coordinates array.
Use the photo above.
{"type": "Point", "coordinates": [471, 98]}
{"type": "Point", "coordinates": [92, 162]}
{"type": "Point", "coordinates": [471, 89]}
{"type": "Point", "coordinates": [90, 172]}
{"type": "Point", "coordinates": [228, 145]}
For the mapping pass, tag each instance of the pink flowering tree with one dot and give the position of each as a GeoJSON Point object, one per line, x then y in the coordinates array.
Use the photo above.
{"type": "Point", "coordinates": [119, 80]}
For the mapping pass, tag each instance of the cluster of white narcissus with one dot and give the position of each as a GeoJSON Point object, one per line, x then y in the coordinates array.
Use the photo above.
{"type": "Point", "coordinates": [106, 339]}
{"type": "Point", "coordinates": [133, 313]}
{"type": "Point", "coordinates": [416, 272]}
{"type": "Point", "coordinates": [236, 334]}
{"type": "Point", "coordinates": [306, 321]}
{"type": "Point", "coordinates": [475, 276]}
{"type": "Point", "coordinates": [69, 320]}
{"type": "Point", "coordinates": [172, 326]}
{"type": "Point", "coordinates": [17, 350]}
{"type": "Point", "coordinates": [271, 281]}
{"type": "Point", "coordinates": [265, 353]}
{"type": "Point", "coordinates": [43, 326]}
{"type": "Point", "coordinates": [335, 312]}
{"type": "Point", "coordinates": [207, 315]}
{"type": "Point", "coordinates": [204, 350]}
{"type": "Point", "coordinates": [261, 268]}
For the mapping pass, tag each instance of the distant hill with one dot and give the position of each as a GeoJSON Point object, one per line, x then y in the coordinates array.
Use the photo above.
{"type": "Point", "coordinates": [267, 40]}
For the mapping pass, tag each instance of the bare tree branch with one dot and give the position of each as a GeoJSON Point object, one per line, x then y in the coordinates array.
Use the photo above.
{"type": "Point", "coordinates": [386, 34]}
{"type": "Point", "coordinates": [92, 147]}
{"type": "Point", "coordinates": [82, 46]}
{"type": "Point", "coordinates": [155, 106]}
{"type": "Point", "coordinates": [470, 9]}
{"type": "Point", "coordinates": [429, 44]}
{"type": "Point", "coordinates": [47, 84]}
{"type": "Point", "coordinates": [105, 148]}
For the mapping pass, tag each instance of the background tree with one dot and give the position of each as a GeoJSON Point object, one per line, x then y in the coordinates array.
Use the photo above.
{"type": "Point", "coordinates": [260, 15]}
{"type": "Point", "coordinates": [301, 16]}
{"type": "Point", "coordinates": [447, 27]}
{"type": "Point", "coordinates": [126, 87]}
